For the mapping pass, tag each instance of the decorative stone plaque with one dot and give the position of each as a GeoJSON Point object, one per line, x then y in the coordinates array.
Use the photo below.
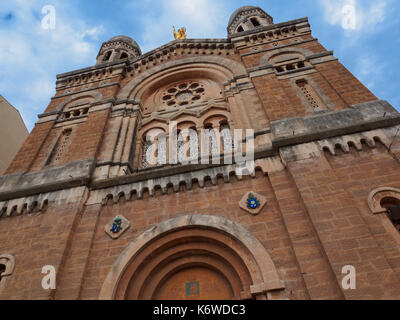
{"type": "Point", "coordinates": [117, 227]}
{"type": "Point", "coordinates": [253, 202]}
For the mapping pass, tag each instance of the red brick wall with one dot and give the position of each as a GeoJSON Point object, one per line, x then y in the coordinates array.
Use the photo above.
{"type": "Point", "coordinates": [223, 199]}
{"type": "Point", "coordinates": [35, 241]}
{"type": "Point", "coordinates": [335, 194]}
{"type": "Point", "coordinates": [29, 150]}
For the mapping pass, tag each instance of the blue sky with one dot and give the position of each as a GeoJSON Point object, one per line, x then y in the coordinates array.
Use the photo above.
{"type": "Point", "coordinates": [30, 56]}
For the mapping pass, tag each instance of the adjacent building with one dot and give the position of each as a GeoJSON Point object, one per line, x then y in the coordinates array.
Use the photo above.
{"type": "Point", "coordinates": [13, 133]}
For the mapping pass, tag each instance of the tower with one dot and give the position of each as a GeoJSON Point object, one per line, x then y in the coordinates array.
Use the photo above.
{"type": "Point", "coordinates": [99, 192]}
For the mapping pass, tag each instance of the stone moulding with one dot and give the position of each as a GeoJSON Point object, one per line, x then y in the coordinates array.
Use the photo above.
{"type": "Point", "coordinates": [363, 117]}
{"type": "Point", "coordinates": [39, 201]}
{"type": "Point", "coordinates": [20, 185]}
{"type": "Point", "coordinates": [116, 192]}
{"type": "Point", "coordinates": [9, 261]}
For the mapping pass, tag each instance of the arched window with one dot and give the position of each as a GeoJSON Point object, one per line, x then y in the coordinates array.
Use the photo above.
{"type": "Point", "coordinates": [107, 56]}
{"type": "Point", "coordinates": [2, 270]}
{"type": "Point", "coordinates": [240, 29]}
{"type": "Point", "coordinates": [392, 205]}
{"type": "Point", "coordinates": [7, 265]}
{"type": "Point", "coordinates": [255, 22]}
{"type": "Point", "coordinates": [124, 55]}
{"type": "Point", "coordinates": [154, 149]}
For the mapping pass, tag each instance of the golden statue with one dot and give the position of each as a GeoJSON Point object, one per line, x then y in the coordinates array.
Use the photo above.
{"type": "Point", "coordinates": [181, 34]}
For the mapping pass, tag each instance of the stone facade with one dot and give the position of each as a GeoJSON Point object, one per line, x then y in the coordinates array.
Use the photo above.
{"type": "Point", "coordinates": [326, 174]}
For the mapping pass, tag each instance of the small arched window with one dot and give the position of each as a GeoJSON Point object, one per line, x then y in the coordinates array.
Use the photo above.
{"type": "Point", "coordinates": [255, 22]}
{"type": "Point", "coordinates": [392, 205]}
{"type": "Point", "coordinates": [240, 29]}
{"type": "Point", "coordinates": [2, 270]}
{"type": "Point", "coordinates": [124, 55]}
{"type": "Point", "coordinates": [7, 265]}
{"type": "Point", "coordinates": [107, 56]}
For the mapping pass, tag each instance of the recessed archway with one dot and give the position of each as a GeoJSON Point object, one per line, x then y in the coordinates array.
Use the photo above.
{"type": "Point", "coordinates": [194, 257]}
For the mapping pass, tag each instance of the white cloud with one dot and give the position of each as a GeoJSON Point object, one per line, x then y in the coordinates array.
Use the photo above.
{"type": "Point", "coordinates": [31, 56]}
{"type": "Point", "coordinates": [355, 15]}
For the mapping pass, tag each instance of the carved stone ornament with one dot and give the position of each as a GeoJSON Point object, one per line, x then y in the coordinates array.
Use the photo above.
{"type": "Point", "coordinates": [253, 202]}
{"type": "Point", "coordinates": [117, 227]}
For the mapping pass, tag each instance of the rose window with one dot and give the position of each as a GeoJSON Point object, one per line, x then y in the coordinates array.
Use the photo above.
{"type": "Point", "coordinates": [183, 94]}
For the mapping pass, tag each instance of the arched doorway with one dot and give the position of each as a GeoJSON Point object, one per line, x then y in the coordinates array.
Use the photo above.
{"type": "Point", "coordinates": [194, 257]}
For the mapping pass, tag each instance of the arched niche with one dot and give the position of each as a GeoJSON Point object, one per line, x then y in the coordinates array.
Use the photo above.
{"type": "Point", "coordinates": [385, 203]}
{"type": "Point", "coordinates": [7, 265]}
{"type": "Point", "coordinates": [273, 56]}
{"type": "Point", "coordinates": [79, 99]}
{"type": "Point", "coordinates": [216, 69]}
{"type": "Point", "coordinates": [376, 197]}
{"type": "Point", "coordinates": [188, 250]}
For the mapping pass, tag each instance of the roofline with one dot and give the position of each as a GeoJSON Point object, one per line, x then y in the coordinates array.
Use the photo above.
{"type": "Point", "coordinates": [183, 41]}
{"type": "Point", "coordinates": [19, 114]}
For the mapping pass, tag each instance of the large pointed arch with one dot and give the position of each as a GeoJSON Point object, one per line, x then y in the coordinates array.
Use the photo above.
{"type": "Point", "coordinates": [219, 243]}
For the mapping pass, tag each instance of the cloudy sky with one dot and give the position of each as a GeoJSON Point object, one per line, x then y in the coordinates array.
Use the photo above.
{"type": "Point", "coordinates": [364, 34]}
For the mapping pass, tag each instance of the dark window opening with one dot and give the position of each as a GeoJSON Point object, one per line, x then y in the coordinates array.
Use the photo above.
{"type": "Point", "coordinates": [124, 55]}
{"type": "Point", "coordinates": [279, 69]}
{"type": "Point", "coordinates": [240, 29]}
{"type": "Point", "coordinates": [290, 67]}
{"type": "Point", "coordinates": [2, 270]}
{"type": "Point", "coordinates": [255, 22]}
{"type": "Point", "coordinates": [107, 56]}
{"type": "Point", "coordinates": [300, 65]}
{"type": "Point", "coordinates": [393, 210]}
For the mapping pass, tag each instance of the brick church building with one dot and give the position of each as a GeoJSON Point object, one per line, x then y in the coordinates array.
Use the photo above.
{"type": "Point", "coordinates": [83, 196]}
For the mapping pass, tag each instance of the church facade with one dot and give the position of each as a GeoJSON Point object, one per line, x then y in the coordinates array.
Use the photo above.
{"type": "Point", "coordinates": [108, 190]}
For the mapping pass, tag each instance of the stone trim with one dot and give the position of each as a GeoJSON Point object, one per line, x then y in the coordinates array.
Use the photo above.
{"type": "Point", "coordinates": [40, 201]}
{"type": "Point", "coordinates": [103, 193]}
{"type": "Point", "coordinates": [9, 261]}
{"type": "Point", "coordinates": [20, 185]}
{"type": "Point", "coordinates": [283, 47]}
{"type": "Point", "coordinates": [317, 148]}
{"type": "Point", "coordinates": [363, 117]}
{"type": "Point", "coordinates": [105, 85]}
